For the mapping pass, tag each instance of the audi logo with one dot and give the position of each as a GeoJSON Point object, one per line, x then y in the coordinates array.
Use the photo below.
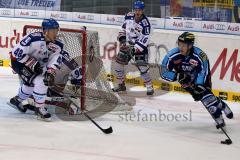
{"type": "Point", "coordinates": [35, 14]}
{"type": "Point", "coordinates": [5, 12]}
{"type": "Point", "coordinates": [188, 25]}
{"type": "Point", "coordinates": [90, 17]}
{"type": "Point", "coordinates": [220, 27]}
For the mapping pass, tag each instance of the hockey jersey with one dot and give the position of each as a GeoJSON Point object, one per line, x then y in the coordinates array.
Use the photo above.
{"type": "Point", "coordinates": [137, 33]}
{"type": "Point", "coordinates": [196, 65]}
{"type": "Point", "coordinates": [34, 45]}
{"type": "Point", "coordinates": [75, 75]}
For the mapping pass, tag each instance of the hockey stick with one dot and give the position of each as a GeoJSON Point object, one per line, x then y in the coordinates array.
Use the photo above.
{"type": "Point", "coordinates": [106, 131]}
{"type": "Point", "coordinates": [226, 141]}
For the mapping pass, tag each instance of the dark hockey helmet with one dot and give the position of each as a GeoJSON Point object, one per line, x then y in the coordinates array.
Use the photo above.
{"type": "Point", "coordinates": [139, 5]}
{"type": "Point", "coordinates": [50, 24]}
{"type": "Point", "coordinates": [187, 37]}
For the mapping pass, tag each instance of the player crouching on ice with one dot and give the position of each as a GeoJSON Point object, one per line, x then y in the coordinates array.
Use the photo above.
{"type": "Point", "coordinates": [134, 39]}
{"type": "Point", "coordinates": [35, 59]}
{"type": "Point", "coordinates": [189, 66]}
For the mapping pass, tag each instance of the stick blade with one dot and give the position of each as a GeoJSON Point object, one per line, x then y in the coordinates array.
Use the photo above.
{"type": "Point", "coordinates": [108, 130]}
{"type": "Point", "coordinates": [227, 142]}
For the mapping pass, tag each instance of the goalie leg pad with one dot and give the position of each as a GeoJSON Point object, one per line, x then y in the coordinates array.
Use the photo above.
{"type": "Point", "coordinates": [212, 104]}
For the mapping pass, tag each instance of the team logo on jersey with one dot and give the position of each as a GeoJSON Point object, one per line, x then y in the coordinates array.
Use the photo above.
{"type": "Point", "coordinates": [187, 68]}
{"type": "Point", "coordinates": [193, 62]}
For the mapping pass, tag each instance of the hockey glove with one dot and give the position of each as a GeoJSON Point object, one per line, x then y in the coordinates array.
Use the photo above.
{"type": "Point", "coordinates": [199, 92]}
{"type": "Point", "coordinates": [121, 37]}
{"type": "Point", "coordinates": [49, 77]}
{"type": "Point", "coordinates": [34, 65]}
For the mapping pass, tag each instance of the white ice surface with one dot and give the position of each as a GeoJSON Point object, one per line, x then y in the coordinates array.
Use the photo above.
{"type": "Point", "coordinates": [22, 137]}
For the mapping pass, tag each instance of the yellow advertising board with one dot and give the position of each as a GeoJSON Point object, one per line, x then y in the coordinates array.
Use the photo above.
{"type": "Point", "coordinates": [227, 4]}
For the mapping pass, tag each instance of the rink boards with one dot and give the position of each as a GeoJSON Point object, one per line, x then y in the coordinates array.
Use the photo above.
{"type": "Point", "coordinates": [222, 51]}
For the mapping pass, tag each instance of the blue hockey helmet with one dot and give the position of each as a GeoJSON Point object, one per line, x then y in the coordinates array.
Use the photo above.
{"type": "Point", "coordinates": [50, 24]}
{"type": "Point", "coordinates": [139, 5]}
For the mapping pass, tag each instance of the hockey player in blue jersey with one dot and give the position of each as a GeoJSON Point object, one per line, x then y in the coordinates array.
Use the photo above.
{"type": "Point", "coordinates": [35, 59]}
{"type": "Point", "coordinates": [189, 65]}
{"type": "Point", "coordinates": [134, 40]}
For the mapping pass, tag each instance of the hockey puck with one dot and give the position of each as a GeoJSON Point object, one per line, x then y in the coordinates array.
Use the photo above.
{"type": "Point", "coordinates": [227, 142]}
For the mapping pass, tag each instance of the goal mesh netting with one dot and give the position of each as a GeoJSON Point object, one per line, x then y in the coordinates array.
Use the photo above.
{"type": "Point", "coordinates": [95, 93]}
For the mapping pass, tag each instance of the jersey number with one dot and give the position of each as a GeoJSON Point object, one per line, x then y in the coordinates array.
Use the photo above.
{"type": "Point", "coordinates": [18, 53]}
{"type": "Point", "coordinates": [144, 40]}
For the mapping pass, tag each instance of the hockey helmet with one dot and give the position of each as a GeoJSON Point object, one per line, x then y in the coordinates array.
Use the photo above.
{"type": "Point", "coordinates": [139, 5]}
{"type": "Point", "coordinates": [50, 24]}
{"type": "Point", "coordinates": [187, 37]}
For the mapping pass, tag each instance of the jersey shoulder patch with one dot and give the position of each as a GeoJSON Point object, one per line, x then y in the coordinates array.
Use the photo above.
{"type": "Point", "coordinates": [32, 37]}
{"type": "Point", "coordinates": [145, 21]}
{"type": "Point", "coordinates": [36, 34]}
{"type": "Point", "coordinates": [201, 54]}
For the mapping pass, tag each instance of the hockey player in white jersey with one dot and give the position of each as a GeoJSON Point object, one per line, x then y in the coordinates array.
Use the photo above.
{"type": "Point", "coordinates": [134, 40]}
{"type": "Point", "coordinates": [35, 59]}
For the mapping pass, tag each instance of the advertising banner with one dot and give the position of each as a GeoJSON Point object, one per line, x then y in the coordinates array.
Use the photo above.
{"type": "Point", "coordinates": [26, 13]}
{"type": "Point", "coordinates": [53, 5]}
{"type": "Point", "coordinates": [63, 16]}
{"type": "Point", "coordinates": [86, 17]}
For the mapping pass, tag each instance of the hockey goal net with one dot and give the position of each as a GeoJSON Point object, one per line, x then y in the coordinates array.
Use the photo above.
{"type": "Point", "coordinates": [95, 93]}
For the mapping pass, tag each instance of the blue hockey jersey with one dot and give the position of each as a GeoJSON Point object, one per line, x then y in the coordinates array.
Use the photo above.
{"type": "Point", "coordinates": [196, 65]}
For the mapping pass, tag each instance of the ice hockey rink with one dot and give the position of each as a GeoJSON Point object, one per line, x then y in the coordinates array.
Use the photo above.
{"type": "Point", "coordinates": [22, 136]}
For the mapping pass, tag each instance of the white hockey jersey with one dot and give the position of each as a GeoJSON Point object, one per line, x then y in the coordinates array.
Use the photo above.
{"type": "Point", "coordinates": [75, 69]}
{"type": "Point", "coordinates": [35, 46]}
{"type": "Point", "coordinates": [137, 33]}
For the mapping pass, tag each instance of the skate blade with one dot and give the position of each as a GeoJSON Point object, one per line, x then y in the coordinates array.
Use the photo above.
{"type": "Point", "coordinates": [44, 119]}
{"type": "Point", "coordinates": [8, 103]}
